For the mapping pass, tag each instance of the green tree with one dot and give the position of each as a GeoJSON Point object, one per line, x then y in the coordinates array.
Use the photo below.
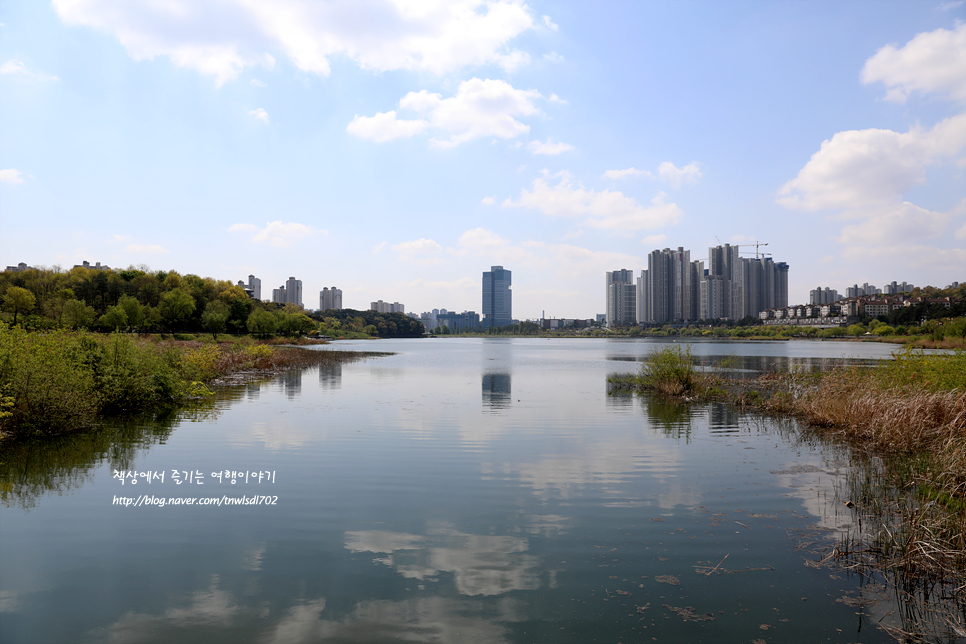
{"type": "Point", "coordinates": [370, 329]}
{"type": "Point", "coordinates": [261, 322]}
{"type": "Point", "coordinates": [177, 304]}
{"type": "Point", "coordinates": [134, 311]}
{"type": "Point", "coordinates": [77, 315]}
{"type": "Point", "coordinates": [215, 317]}
{"type": "Point", "coordinates": [19, 300]}
{"type": "Point", "coordinates": [115, 317]}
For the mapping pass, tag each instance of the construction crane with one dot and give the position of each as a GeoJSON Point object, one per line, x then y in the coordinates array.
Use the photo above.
{"type": "Point", "coordinates": [756, 244]}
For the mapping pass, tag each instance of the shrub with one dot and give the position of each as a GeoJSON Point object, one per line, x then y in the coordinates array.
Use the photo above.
{"type": "Point", "coordinates": [669, 371]}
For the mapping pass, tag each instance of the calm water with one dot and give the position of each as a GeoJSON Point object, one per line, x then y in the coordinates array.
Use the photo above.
{"type": "Point", "coordinates": [463, 490]}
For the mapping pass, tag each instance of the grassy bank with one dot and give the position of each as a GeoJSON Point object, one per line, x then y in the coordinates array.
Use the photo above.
{"type": "Point", "coordinates": [908, 415]}
{"type": "Point", "coordinates": [60, 381]}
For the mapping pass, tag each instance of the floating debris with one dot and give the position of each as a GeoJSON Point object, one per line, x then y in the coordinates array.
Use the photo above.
{"type": "Point", "coordinates": [688, 614]}
{"type": "Point", "coordinates": [668, 579]}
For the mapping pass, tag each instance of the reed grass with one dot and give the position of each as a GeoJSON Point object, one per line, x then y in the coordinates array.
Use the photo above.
{"type": "Point", "coordinates": [909, 412]}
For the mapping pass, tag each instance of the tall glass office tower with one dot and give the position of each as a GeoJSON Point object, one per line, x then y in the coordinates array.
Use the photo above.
{"type": "Point", "coordinates": [497, 298]}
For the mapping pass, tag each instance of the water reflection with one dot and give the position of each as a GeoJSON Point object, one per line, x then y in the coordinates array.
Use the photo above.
{"type": "Point", "coordinates": [292, 383]}
{"type": "Point", "coordinates": [330, 376]}
{"type": "Point", "coordinates": [722, 419]}
{"type": "Point", "coordinates": [33, 468]}
{"type": "Point", "coordinates": [673, 418]}
{"type": "Point", "coordinates": [480, 564]}
{"type": "Point", "coordinates": [496, 391]}
{"type": "Point", "coordinates": [425, 619]}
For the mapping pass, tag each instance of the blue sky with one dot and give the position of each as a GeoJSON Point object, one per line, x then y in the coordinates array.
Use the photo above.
{"type": "Point", "coordinates": [399, 149]}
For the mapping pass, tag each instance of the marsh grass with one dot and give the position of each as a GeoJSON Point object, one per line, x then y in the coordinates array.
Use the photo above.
{"type": "Point", "coordinates": [909, 412]}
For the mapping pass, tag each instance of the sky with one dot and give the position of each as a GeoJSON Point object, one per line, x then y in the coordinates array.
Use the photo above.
{"type": "Point", "coordinates": [397, 149]}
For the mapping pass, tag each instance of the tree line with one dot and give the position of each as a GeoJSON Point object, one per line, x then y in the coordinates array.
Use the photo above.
{"type": "Point", "coordinates": [141, 300]}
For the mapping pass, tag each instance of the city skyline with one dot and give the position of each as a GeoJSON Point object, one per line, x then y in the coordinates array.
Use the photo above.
{"type": "Point", "coordinates": [561, 139]}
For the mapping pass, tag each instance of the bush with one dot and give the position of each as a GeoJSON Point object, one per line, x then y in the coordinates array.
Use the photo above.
{"type": "Point", "coordinates": [669, 371]}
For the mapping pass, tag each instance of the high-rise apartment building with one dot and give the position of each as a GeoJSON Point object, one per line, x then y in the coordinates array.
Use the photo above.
{"type": "Point", "coordinates": [255, 287]}
{"type": "Point", "coordinates": [290, 293]}
{"type": "Point", "coordinates": [673, 288]}
{"type": "Point", "coordinates": [621, 298]}
{"type": "Point", "coordinates": [293, 291]}
{"type": "Point", "coordinates": [386, 307]}
{"type": "Point", "coordinates": [330, 298]}
{"type": "Point", "coordinates": [497, 297]}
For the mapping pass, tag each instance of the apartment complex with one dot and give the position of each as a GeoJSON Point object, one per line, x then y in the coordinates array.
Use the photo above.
{"type": "Point", "coordinates": [290, 293]}
{"type": "Point", "coordinates": [330, 298]}
{"type": "Point", "coordinates": [385, 307]}
{"type": "Point", "coordinates": [674, 288]}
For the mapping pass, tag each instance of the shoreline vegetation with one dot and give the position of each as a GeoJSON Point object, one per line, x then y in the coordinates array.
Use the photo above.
{"type": "Point", "coordinates": [61, 381]}
{"type": "Point", "coordinates": [906, 419]}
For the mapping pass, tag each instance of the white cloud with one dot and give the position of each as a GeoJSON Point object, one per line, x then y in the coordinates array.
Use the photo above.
{"type": "Point", "coordinates": [905, 221]}
{"type": "Point", "coordinates": [553, 57]}
{"type": "Point", "coordinates": [948, 6]}
{"type": "Point", "coordinates": [556, 99]}
{"type": "Point", "coordinates": [146, 249]}
{"type": "Point", "coordinates": [863, 176]}
{"type": "Point", "coordinates": [259, 114]}
{"type": "Point", "coordinates": [480, 108]}
{"type": "Point", "coordinates": [258, 83]}
{"type": "Point", "coordinates": [674, 176]}
{"type": "Point", "coordinates": [933, 61]}
{"type": "Point", "coordinates": [538, 147]}
{"type": "Point", "coordinates": [11, 176]}
{"type": "Point", "coordinates": [961, 232]}
{"type": "Point", "coordinates": [220, 39]}
{"type": "Point", "coordinates": [654, 240]}
{"type": "Point", "coordinates": [384, 126]}
{"type": "Point", "coordinates": [277, 233]}
{"type": "Point", "coordinates": [667, 172]}
{"type": "Point", "coordinates": [550, 23]}
{"type": "Point", "coordinates": [860, 169]}
{"type": "Point", "coordinates": [488, 201]}
{"type": "Point", "coordinates": [629, 172]}
{"type": "Point", "coordinates": [599, 209]}
{"type": "Point", "coordinates": [17, 69]}
{"type": "Point", "coordinates": [424, 252]}
{"type": "Point", "coordinates": [378, 248]}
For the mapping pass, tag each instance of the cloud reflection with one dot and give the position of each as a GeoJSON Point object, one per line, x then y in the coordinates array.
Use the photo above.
{"type": "Point", "coordinates": [480, 564]}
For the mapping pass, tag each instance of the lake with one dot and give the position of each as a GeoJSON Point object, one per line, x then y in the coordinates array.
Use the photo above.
{"type": "Point", "coordinates": [461, 490]}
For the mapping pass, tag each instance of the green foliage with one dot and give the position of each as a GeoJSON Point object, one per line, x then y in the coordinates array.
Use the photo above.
{"type": "Point", "coordinates": [669, 370]}
{"type": "Point", "coordinates": [18, 300]}
{"type": "Point", "coordinates": [215, 317]}
{"type": "Point", "coordinates": [915, 368]}
{"type": "Point", "coordinates": [177, 304]}
{"type": "Point", "coordinates": [48, 378]}
{"type": "Point", "coordinates": [77, 315]}
{"type": "Point", "coordinates": [262, 322]}
{"type": "Point", "coordinates": [388, 325]}
{"type": "Point", "coordinates": [115, 318]}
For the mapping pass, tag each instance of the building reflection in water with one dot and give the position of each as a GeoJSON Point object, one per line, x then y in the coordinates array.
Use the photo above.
{"type": "Point", "coordinates": [496, 391]}
{"type": "Point", "coordinates": [722, 419]}
{"type": "Point", "coordinates": [292, 382]}
{"type": "Point", "coordinates": [330, 376]}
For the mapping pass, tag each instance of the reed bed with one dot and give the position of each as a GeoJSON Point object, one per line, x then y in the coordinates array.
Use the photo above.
{"type": "Point", "coordinates": [905, 419]}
